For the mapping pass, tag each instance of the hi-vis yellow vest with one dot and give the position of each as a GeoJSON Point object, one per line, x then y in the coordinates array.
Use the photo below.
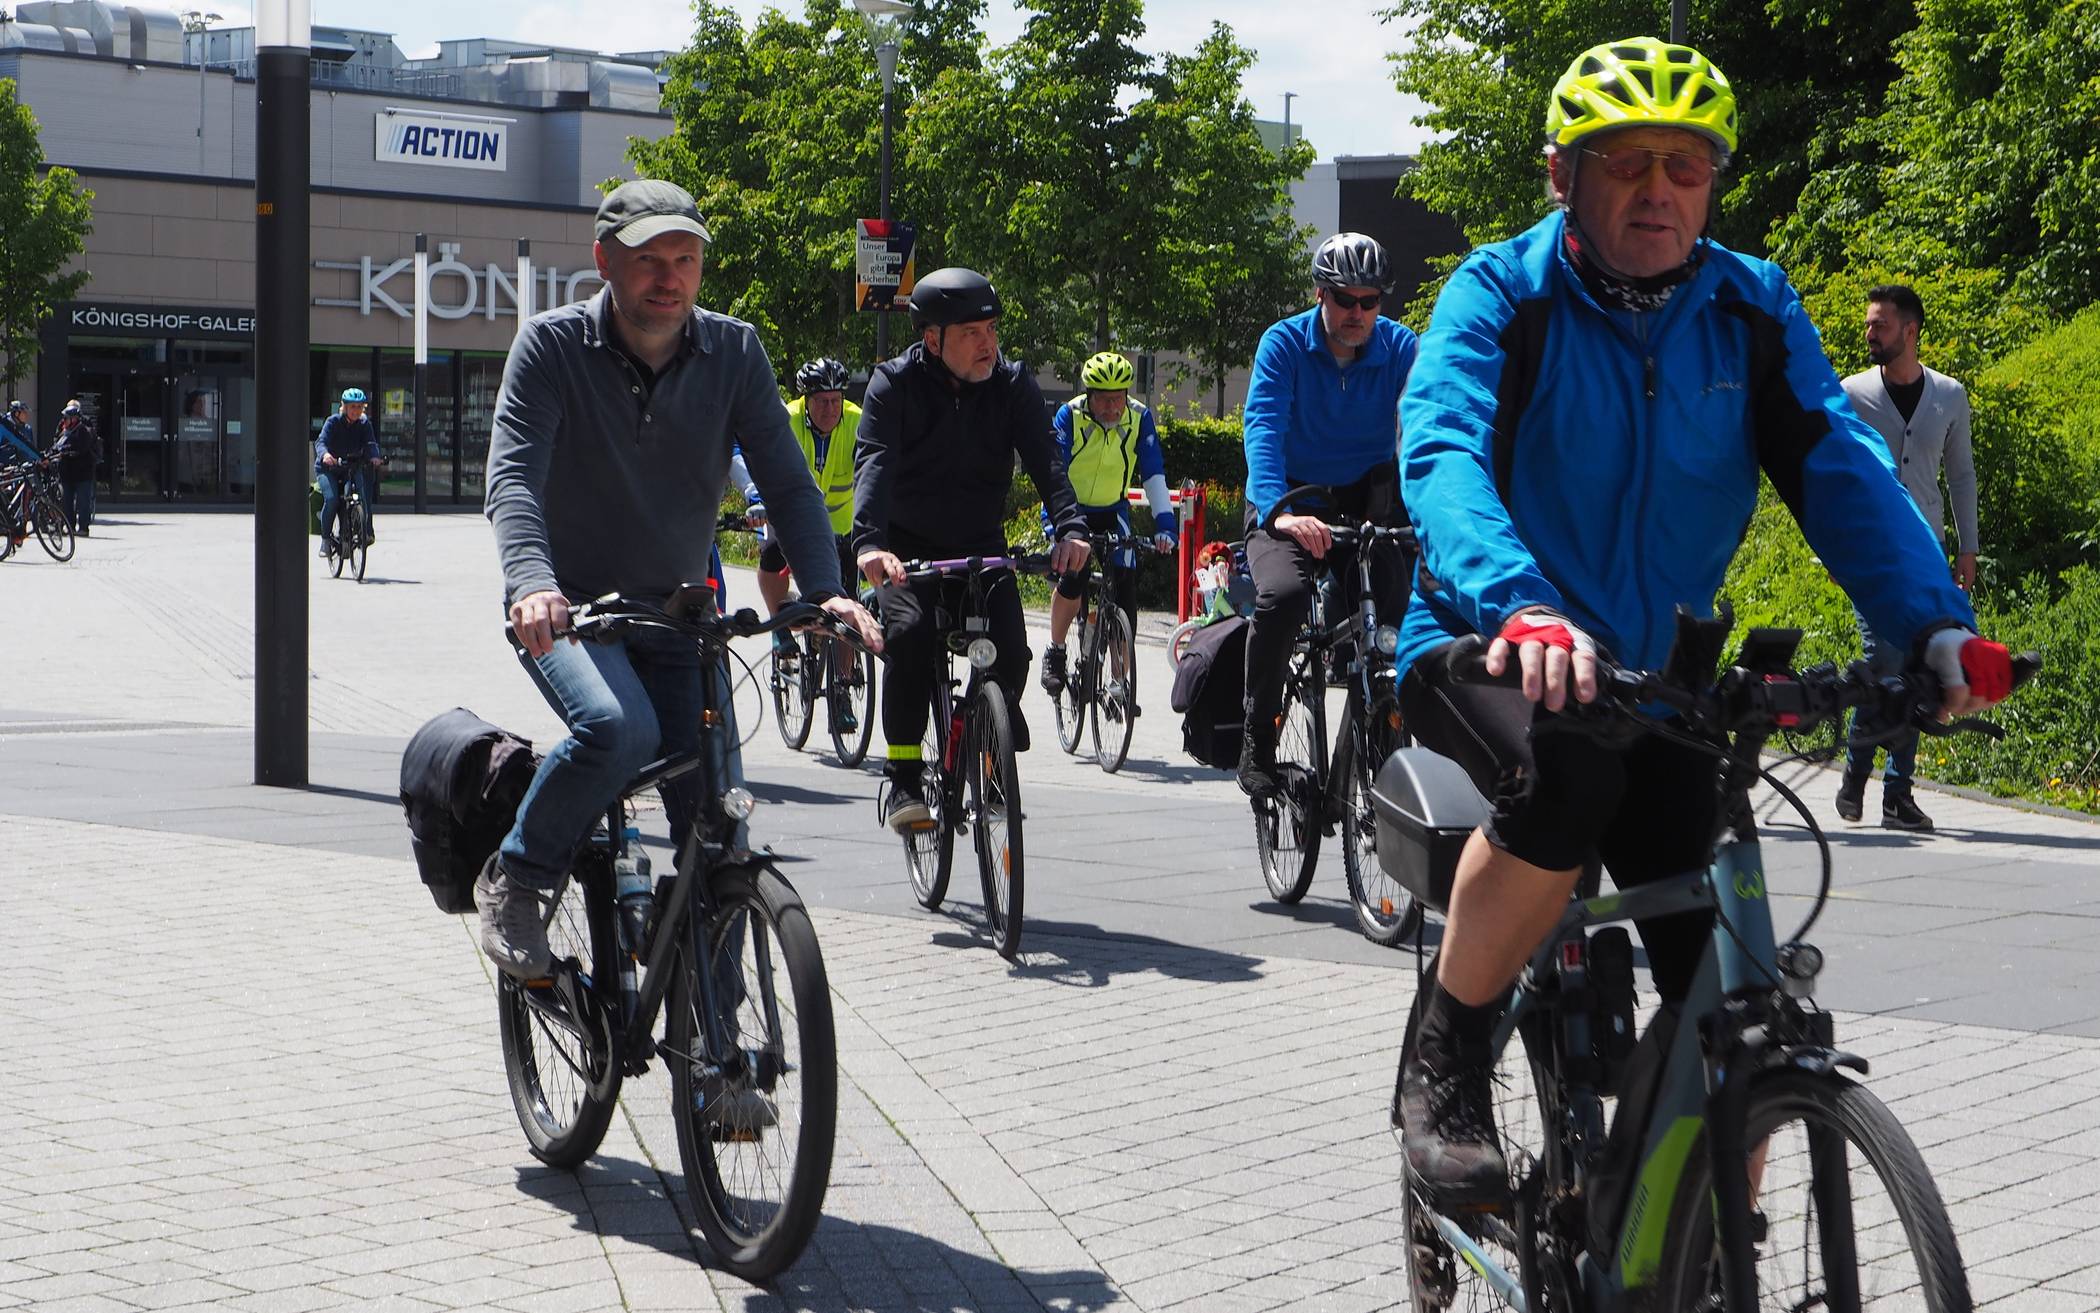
{"type": "Point", "coordinates": [835, 478]}
{"type": "Point", "coordinates": [1104, 460]}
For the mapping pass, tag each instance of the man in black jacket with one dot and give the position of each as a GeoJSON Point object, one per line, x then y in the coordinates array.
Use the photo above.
{"type": "Point", "coordinates": [77, 451]}
{"type": "Point", "coordinates": [939, 430]}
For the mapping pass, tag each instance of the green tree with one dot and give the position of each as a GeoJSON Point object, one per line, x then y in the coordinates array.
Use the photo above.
{"type": "Point", "coordinates": [45, 218]}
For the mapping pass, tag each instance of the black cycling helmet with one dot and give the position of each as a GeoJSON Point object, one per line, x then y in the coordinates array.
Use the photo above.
{"type": "Point", "coordinates": [821, 375]}
{"type": "Point", "coordinates": [1352, 260]}
{"type": "Point", "coordinates": [952, 296]}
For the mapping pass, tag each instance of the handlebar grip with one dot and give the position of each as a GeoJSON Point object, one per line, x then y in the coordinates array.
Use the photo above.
{"type": "Point", "coordinates": [1465, 662]}
{"type": "Point", "coordinates": [2025, 666]}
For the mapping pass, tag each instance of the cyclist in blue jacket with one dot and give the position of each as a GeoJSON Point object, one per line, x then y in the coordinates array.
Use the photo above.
{"type": "Point", "coordinates": [347, 445]}
{"type": "Point", "coordinates": [1323, 410]}
{"type": "Point", "coordinates": [1583, 438]}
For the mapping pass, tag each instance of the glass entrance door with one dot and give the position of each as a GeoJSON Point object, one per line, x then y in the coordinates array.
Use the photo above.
{"type": "Point", "coordinates": [142, 433]}
{"type": "Point", "coordinates": [198, 413]}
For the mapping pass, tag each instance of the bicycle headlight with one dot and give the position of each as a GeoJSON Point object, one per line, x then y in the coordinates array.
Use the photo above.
{"type": "Point", "coordinates": [1387, 638]}
{"type": "Point", "coordinates": [982, 653]}
{"type": "Point", "coordinates": [738, 804]}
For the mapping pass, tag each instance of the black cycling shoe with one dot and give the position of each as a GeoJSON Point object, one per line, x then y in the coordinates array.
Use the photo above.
{"type": "Point", "coordinates": [1018, 722]}
{"type": "Point", "coordinates": [1899, 811]}
{"type": "Point", "coordinates": [1851, 796]}
{"type": "Point", "coordinates": [1053, 678]}
{"type": "Point", "coordinates": [1258, 776]}
{"type": "Point", "coordinates": [905, 809]}
{"type": "Point", "coordinates": [1448, 1127]}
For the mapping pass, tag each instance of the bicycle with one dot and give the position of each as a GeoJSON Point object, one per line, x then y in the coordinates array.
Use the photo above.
{"type": "Point", "coordinates": [754, 1069]}
{"type": "Point", "coordinates": [30, 496]}
{"type": "Point", "coordinates": [1736, 1130]}
{"type": "Point", "coordinates": [1103, 642]}
{"type": "Point", "coordinates": [352, 542]}
{"type": "Point", "coordinates": [970, 775]}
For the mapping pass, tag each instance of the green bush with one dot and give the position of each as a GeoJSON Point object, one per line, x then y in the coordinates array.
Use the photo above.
{"type": "Point", "coordinates": [2037, 432]}
{"type": "Point", "coordinates": [2051, 749]}
{"type": "Point", "coordinates": [1210, 451]}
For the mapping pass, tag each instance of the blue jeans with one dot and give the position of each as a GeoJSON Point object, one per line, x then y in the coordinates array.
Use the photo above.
{"type": "Point", "coordinates": [626, 704]}
{"type": "Point", "coordinates": [332, 495]}
{"type": "Point", "coordinates": [79, 503]}
{"type": "Point", "coordinates": [1883, 659]}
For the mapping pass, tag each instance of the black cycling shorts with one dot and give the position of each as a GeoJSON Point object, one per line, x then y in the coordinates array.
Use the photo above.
{"type": "Point", "coordinates": [772, 560]}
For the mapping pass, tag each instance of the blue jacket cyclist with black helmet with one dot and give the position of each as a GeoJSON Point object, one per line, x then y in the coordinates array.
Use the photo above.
{"type": "Point", "coordinates": [347, 444]}
{"type": "Point", "coordinates": [940, 427]}
{"type": "Point", "coordinates": [1322, 412]}
{"type": "Point", "coordinates": [1582, 443]}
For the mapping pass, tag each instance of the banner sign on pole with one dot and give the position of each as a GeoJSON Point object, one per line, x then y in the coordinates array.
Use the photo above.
{"type": "Point", "coordinates": [883, 273]}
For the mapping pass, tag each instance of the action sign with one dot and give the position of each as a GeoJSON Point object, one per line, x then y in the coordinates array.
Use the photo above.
{"type": "Point", "coordinates": [883, 273]}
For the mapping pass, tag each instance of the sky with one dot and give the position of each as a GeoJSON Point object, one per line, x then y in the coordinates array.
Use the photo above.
{"type": "Point", "coordinates": [1332, 54]}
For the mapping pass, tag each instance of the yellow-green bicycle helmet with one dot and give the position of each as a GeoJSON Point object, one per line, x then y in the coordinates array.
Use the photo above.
{"type": "Point", "coordinates": [1640, 82]}
{"type": "Point", "coordinates": [1106, 372]}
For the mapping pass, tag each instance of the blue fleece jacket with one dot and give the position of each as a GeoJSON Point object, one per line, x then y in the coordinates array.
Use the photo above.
{"type": "Point", "coordinates": [1308, 419]}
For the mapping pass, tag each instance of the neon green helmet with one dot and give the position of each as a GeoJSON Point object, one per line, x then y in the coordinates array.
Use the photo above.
{"type": "Point", "coordinates": [1641, 82]}
{"type": "Point", "coordinates": [1107, 372]}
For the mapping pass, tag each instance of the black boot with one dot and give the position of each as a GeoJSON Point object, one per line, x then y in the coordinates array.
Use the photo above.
{"type": "Point", "coordinates": [1851, 797]}
{"type": "Point", "coordinates": [1258, 778]}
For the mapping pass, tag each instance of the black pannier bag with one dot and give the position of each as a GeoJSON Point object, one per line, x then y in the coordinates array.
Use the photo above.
{"type": "Point", "coordinates": [461, 782]}
{"type": "Point", "coordinates": [1426, 806]}
{"type": "Point", "coordinates": [1210, 684]}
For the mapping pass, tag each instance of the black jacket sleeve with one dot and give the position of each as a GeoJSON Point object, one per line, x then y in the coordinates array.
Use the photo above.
{"type": "Point", "coordinates": [874, 462]}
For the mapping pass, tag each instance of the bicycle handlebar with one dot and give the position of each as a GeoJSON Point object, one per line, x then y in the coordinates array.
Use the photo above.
{"type": "Point", "coordinates": [1350, 534]}
{"type": "Point", "coordinates": [606, 618]}
{"type": "Point", "coordinates": [1017, 561]}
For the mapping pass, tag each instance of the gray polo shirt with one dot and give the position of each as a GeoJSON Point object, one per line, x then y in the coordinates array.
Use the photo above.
{"type": "Point", "coordinates": [599, 481]}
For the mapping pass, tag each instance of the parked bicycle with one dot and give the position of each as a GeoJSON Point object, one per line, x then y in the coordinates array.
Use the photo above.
{"type": "Point", "coordinates": [1325, 789]}
{"type": "Point", "coordinates": [725, 947]}
{"type": "Point", "coordinates": [1743, 1168]}
{"type": "Point", "coordinates": [971, 778]}
{"type": "Point", "coordinates": [1100, 691]}
{"type": "Point", "coordinates": [29, 495]}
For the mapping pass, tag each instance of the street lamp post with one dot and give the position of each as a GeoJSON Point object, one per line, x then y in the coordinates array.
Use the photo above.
{"type": "Point", "coordinates": [884, 18]}
{"type": "Point", "coordinates": [1288, 97]}
{"type": "Point", "coordinates": [283, 224]}
{"type": "Point", "coordinates": [194, 23]}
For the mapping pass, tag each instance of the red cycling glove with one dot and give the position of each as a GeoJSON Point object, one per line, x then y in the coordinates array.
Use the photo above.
{"type": "Point", "coordinates": [1989, 668]}
{"type": "Point", "coordinates": [1538, 626]}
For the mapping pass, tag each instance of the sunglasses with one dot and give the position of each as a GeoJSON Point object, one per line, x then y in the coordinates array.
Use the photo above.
{"type": "Point", "coordinates": [1368, 301]}
{"type": "Point", "coordinates": [1630, 162]}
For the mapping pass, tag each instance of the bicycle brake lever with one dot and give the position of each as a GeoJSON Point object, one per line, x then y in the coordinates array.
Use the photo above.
{"type": "Point", "coordinates": [1961, 725]}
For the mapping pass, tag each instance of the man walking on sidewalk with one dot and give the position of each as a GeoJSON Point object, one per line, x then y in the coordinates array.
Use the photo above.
{"type": "Point", "coordinates": [1924, 417]}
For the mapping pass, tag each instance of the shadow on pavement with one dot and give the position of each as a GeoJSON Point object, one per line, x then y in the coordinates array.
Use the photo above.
{"type": "Point", "coordinates": [1088, 957]}
{"type": "Point", "coordinates": [362, 795]}
{"type": "Point", "coordinates": [1160, 772]}
{"type": "Point", "coordinates": [774, 791]}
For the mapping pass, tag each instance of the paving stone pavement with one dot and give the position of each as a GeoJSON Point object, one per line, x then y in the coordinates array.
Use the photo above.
{"type": "Point", "coordinates": [250, 1068]}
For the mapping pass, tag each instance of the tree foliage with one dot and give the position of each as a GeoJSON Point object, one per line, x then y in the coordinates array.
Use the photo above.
{"type": "Point", "coordinates": [45, 218]}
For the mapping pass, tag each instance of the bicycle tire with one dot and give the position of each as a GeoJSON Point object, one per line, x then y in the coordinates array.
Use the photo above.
{"type": "Point", "coordinates": [1287, 826]}
{"type": "Point", "coordinates": [1071, 703]}
{"type": "Point", "coordinates": [929, 853]}
{"type": "Point", "coordinates": [757, 1193]}
{"type": "Point", "coordinates": [1386, 911]}
{"type": "Point", "coordinates": [856, 695]}
{"type": "Point", "coordinates": [995, 816]}
{"type": "Point", "coordinates": [564, 1084]}
{"type": "Point", "coordinates": [335, 550]}
{"type": "Point", "coordinates": [354, 516]}
{"type": "Point", "coordinates": [1113, 706]}
{"type": "Point", "coordinates": [1178, 641]}
{"type": "Point", "coordinates": [1903, 1252]}
{"type": "Point", "coordinates": [791, 693]}
{"type": "Point", "coordinates": [52, 529]}
{"type": "Point", "coordinates": [1437, 1279]}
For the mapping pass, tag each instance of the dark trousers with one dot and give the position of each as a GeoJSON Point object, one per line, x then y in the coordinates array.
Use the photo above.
{"type": "Point", "coordinates": [79, 502]}
{"type": "Point", "coordinates": [912, 643]}
{"type": "Point", "coordinates": [1285, 575]}
{"type": "Point", "coordinates": [1122, 577]}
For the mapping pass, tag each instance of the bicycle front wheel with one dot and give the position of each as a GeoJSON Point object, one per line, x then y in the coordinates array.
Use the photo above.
{"type": "Point", "coordinates": [793, 691]}
{"type": "Point", "coordinates": [52, 530]}
{"type": "Point", "coordinates": [1385, 911]}
{"type": "Point", "coordinates": [1114, 699]}
{"type": "Point", "coordinates": [1845, 1214]}
{"type": "Point", "coordinates": [929, 850]}
{"type": "Point", "coordinates": [1070, 705]}
{"type": "Point", "coordinates": [356, 548]}
{"type": "Point", "coordinates": [1287, 825]}
{"type": "Point", "coordinates": [995, 816]}
{"type": "Point", "coordinates": [756, 1119]}
{"type": "Point", "coordinates": [851, 695]}
{"type": "Point", "coordinates": [564, 1082]}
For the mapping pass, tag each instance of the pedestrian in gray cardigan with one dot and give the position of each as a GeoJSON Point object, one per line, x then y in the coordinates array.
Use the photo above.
{"type": "Point", "coordinates": [1924, 417]}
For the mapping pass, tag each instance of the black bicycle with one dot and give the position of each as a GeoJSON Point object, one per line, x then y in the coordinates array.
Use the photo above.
{"type": "Point", "coordinates": [29, 499]}
{"type": "Point", "coordinates": [347, 550]}
{"type": "Point", "coordinates": [971, 777]}
{"type": "Point", "coordinates": [752, 1057]}
{"type": "Point", "coordinates": [1100, 692]}
{"type": "Point", "coordinates": [1743, 1169]}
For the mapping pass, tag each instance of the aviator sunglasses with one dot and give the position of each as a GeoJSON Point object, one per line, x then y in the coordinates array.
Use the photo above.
{"type": "Point", "coordinates": [1627, 163]}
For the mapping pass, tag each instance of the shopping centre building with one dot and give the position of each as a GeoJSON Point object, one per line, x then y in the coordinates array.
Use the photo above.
{"type": "Point", "coordinates": [487, 143]}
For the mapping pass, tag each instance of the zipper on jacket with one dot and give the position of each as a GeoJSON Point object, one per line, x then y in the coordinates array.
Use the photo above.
{"type": "Point", "coordinates": [1648, 375]}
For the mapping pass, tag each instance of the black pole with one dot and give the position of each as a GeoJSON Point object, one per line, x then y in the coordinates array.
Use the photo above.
{"type": "Point", "coordinates": [283, 221]}
{"type": "Point", "coordinates": [1677, 21]}
{"type": "Point", "coordinates": [882, 317]}
{"type": "Point", "coordinates": [422, 373]}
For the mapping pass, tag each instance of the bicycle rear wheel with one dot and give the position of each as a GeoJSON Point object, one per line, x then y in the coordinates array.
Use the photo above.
{"type": "Point", "coordinates": [564, 1082]}
{"type": "Point", "coordinates": [995, 815]}
{"type": "Point", "coordinates": [1385, 911]}
{"type": "Point", "coordinates": [1287, 826]}
{"type": "Point", "coordinates": [755, 1123]}
{"type": "Point", "coordinates": [794, 689]}
{"type": "Point", "coordinates": [1849, 1215]}
{"type": "Point", "coordinates": [52, 530]}
{"type": "Point", "coordinates": [851, 694]}
{"type": "Point", "coordinates": [1114, 700]}
{"type": "Point", "coordinates": [930, 850]}
{"type": "Point", "coordinates": [1070, 705]}
{"type": "Point", "coordinates": [336, 557]}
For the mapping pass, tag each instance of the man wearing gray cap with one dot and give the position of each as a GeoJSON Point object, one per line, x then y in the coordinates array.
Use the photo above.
{"type": "Point", "coordinates": [610, 449]}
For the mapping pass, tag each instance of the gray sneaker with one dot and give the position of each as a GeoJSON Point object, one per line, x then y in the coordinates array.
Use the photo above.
{"type": "Point", "coordinates": [741, 1116]}
{"type": "Point", "coordinates": [513, 923]}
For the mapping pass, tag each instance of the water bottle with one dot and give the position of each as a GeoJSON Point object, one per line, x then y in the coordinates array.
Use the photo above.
{"type": "Point", "coordinates": [633, 891]}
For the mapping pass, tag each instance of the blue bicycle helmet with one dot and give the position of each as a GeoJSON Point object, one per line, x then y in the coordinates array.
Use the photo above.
{"type": "Point", "coordinates": [354, 394]}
